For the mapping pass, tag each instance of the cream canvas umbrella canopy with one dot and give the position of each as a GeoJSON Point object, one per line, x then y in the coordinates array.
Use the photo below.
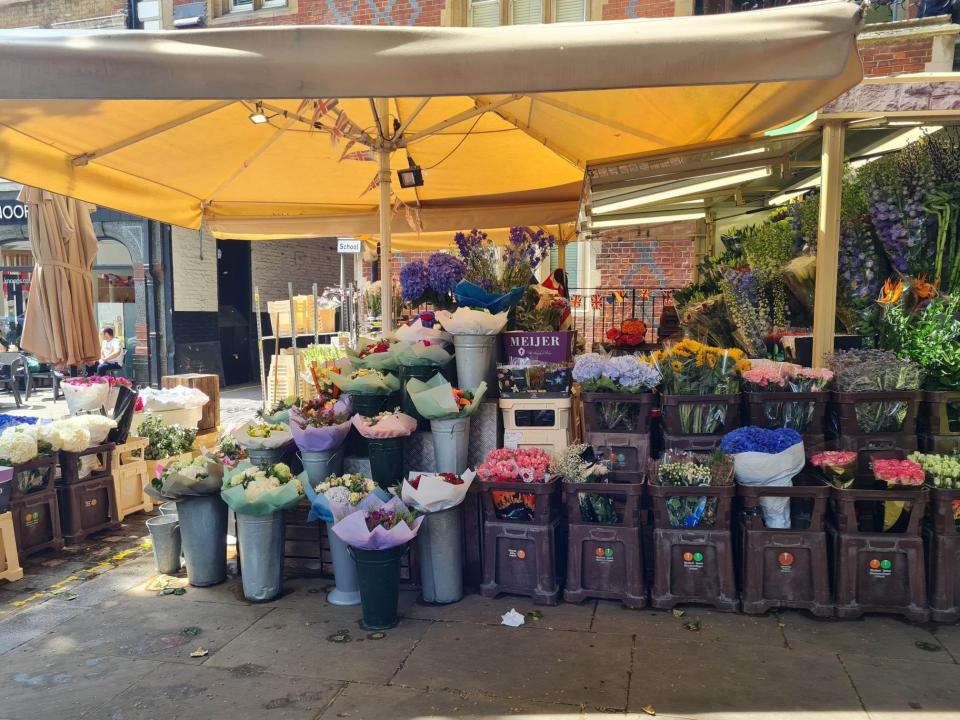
{"type": "Point", "coordinates": [59, 327]}
{"type": "Point", "coordinates": [297, 131]}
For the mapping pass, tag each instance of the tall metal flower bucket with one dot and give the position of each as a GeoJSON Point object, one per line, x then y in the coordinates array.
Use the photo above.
{"type": "Point", "coordinates": [347, 590]}
{"type": "Point", "coordinates": [368, 406]}
{"type": "Point", "coordinates": [386, 461]}
{"type": "Point", "coordinates": [165, 538]}
{"type": "Point", "coordinates": [265, 457]}
{"type": "Point", "coordinates": [451, 444]}
{"type": "Point", "coordinates": [203, 531]}
{"type": "Point", "coordinates": [319, 465]}
{"type": "Point", "coordinates": [440, 548]}
{"type": "Point", "coordinates": [421, 372]}
{"type": "Point", "coordinates": [261, 540]}
{"type": "Point", "coordinates": [476, 357]}
{"type": "Point", "coordinates": [379, 574]}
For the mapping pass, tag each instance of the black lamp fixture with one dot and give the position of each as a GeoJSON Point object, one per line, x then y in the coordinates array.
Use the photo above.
{"type": "Point", "coordinates": [412, 176]}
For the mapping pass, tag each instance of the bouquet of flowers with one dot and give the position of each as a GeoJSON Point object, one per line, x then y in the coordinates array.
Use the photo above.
{"type": "Point", "coordinates": [92, 393]}
{"type": "Point", "coordinates": [838, 467]}
{"type": "Point", "coordinates": [339, 495]}
{"type": "Point", "coordinates": [183, 478]}
{"type": "Point", "coordinates": [260, 435]}
{"type": "Point", "coordinates": [871, 371]}
{"type": "Point", "coordinates": [577, 464]}
{"type": "Point", "coordinates": [365, 382]}
{"type": "Point", "coordinates": [471, 321]}
{"type": "Point", "coordinates": [64, 435]}
{"type": "Point", "coordinates": [374, 355]}
{"type": "Point", "coordinates": [767, 457]}
{"type": "Point", "coordinates": [321, 424]}
{"type": "Point", "coordinates": [385, 425]}
{"type": "Point", "coordinates": [942, 471]}
{"type": "Point", "coordinates": [165, 441]}
{"type": "Point", "coordinates": [260, 491]}
{"type": "Point", "coordinates": [437, 399]}
{"type": "Point", "coordinates": [18, 445]}
{"type": "Point", "coordinates": [431, 282]}
{"type": "Point", "coordinates": [435, 492]}
{"type": "Point", "coordinates": [542, 309]}
{"type": "Point", "coordinates": [691, 368]}
{"type": "Point", "coordinates": [622, 375]}
{"type": "Point", "coordinates": [631, 334]}
{"type": "Point", "coordinates": [422, 353]}
{"type": "Point", "coordinates": [176, 398]}
{"type": "Point", "coordinates": [379, 524]}
{"type": "Point", "coordinates": [424, 326]}
{"type": "Point", "coordinates": [228, 453]}
{"type": "Point", "coordinates": [897, 475]}
{"type": "Point", "coordinates": [99, 426]}
{"type": "Point", "coordinates": [770, 377]}
{"type": "Point", "coordinates": [681, 469]}
{"type": "Point", "coordinates": [527, 465]}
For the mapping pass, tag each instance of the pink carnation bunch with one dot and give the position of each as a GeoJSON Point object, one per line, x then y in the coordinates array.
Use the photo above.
{"type": "Point", "coordinates": [804, 379]}
{"type": "Point", "coordinates": [91, 380]}
{"type": "Point", "coordinates": [833, 458]}
{"type": "Point", "coordinates": [898, 473]}
{"type": "Point", "coordinates": [764, 376]}
{"type": "Point", "coordinates": [524, 465]}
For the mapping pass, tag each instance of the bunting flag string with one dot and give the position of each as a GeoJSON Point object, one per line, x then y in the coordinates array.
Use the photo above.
{"type": "Point", "coordinates": [375, 183]}
{"type": "Point", "coordinates": [359, 155]}
{"type": "Point", "coordinates": [575, 301]}
{"type": "Point", "coordinates": [596, 301]}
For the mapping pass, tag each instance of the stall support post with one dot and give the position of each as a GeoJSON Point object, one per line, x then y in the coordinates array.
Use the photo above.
{"type": "Point", "coordinates": [293, 341]}
{"type": "Point", "coordinates": [562, 255]}
{"type": "Point", "coordinates": [828, 242]}
{"type": "Point", "coordinates": [263, 372]}
{"type": "Point", "coordinates": [316, 318]}
{"type": "Point", "coordinates": [386, 216]}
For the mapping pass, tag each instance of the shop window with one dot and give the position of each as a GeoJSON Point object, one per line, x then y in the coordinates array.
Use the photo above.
{"type": "Point", "coordinates": [223, 9]}
{"type": "Point", "coordinates": [570, 11]}
{"type": "Point", "coordinates": [485, 13]}
{"type": "Point", "coordinates": [491, 13]}
{"type": "Point", "coordinates": [526, 12]}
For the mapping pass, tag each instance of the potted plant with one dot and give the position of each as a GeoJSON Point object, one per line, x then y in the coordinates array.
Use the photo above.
{"type": "Point", "coordinates": [166, 443]}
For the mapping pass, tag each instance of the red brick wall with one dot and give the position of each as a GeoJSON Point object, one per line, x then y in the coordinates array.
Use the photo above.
{"type": "Point", "coordinates": [621, 9]}
{"type": "Point", "coordinates": [658, 256]}
{"type": "Point", "coordinates": [348, 12]}
{"type": "Point", "coordinates": [903, 56]}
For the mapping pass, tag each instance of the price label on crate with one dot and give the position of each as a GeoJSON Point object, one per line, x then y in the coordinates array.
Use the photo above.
{"type": "Point", "coordinates": [512, 439]}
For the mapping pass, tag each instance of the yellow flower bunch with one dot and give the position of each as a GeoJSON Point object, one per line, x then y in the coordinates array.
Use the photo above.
{"type": "Point", "coordinates": [692, 368]}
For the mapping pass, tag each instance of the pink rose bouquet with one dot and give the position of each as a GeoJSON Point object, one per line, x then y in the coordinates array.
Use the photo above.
{"type": "Point", "coordinates": [839, 467]}
{"type": "Point", "coordinates": [898, 473]}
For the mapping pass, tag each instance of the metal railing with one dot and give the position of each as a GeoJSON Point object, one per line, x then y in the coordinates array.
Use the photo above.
{"type": "Point", "coordinates": [596, 310]}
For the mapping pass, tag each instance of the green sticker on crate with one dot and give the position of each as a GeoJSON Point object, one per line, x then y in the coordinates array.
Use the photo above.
{"type": "Point", "coordinates": [604, 555]}
{"type": "Point", "coordinates": [692, 560]}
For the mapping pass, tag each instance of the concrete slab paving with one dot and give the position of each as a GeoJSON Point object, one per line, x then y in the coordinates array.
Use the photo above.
{"type": "Point", "coordinates": [875, 636]}
{"type": "Point", "coordinates": [487, 611]}
{"type": "Point", "coordinates": [178, 692]}
{"type": "Point", "coordinates": [295, 642]}
{"type": "Point", "coordinates": [541, 665]}
{"type": "Point", "coordinates": [35, 686]}
{"type": "Point", "coordinates": [15, 630]}
{"type": "Point", "coordinates": [159, 628]}
{"type": "Point", "coordinates": [895, 689]}
{"type": "Point", "coordinates": [949, 637]}
{"type": "Point", "coordinates": [359, 701]}
{"type": "Point", "coordinates": [724, 681]}
{"type": "Point", "coordinates": [715, 627]}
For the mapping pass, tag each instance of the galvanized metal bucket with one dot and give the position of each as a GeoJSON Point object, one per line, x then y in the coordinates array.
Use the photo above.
{"type": "Point", "coordinates": [169, 508]}
{"type": "Point", "coordinates": [321, 464]}
{"type": "Point", "coordinates": [260, 539]}
{"type": "Point", "coordinates": [476, 357]}
{"type": "Point", "coordinates": [451, 444]}
{"type": "Point", "coordinates": [440, 547]}
{"type": "Point", "coordinates": [165, 537]}
{"type": "Point", "coordinates": [347, 590]}
{"type": "Point", "coordinates": [203, 529]}
{"type": "Point", "coordinates": [265, 457]}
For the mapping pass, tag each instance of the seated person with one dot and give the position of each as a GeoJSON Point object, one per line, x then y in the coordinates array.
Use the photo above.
{"type": "Point", "coordinates": [111, 352]}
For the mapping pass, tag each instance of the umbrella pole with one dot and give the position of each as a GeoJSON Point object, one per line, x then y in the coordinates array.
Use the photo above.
{"type": "Point", "coordinates": [386, 287]}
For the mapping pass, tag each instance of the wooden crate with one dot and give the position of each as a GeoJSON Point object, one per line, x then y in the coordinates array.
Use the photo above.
{"type": "Point", "coordinates": [281, 381]}
{"type": "Point", "coordinates": [130, 477]}
{"type": "Point", "coordinates": [10, 569]}
{"type": "Point", "coordinates": [207, 384]}
{"type": "Point", "coordinates": [279, 311]}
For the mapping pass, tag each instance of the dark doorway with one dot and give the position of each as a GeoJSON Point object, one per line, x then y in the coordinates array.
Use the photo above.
{"type": "Point", "coordinates": [235, 295]}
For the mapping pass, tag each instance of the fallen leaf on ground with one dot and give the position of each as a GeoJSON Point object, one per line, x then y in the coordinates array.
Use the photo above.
{"type": "Point", "coordinates": [200, 652]}
{"type": "Point", "coordinates": [190, 631]}
{"type": "Point", "coordinates": [535, 615]}
{"type": "Point", "coordinates": [650, 709]}
{"type": "Point", "coordinates": [677, 612]}
{"type": "Point", "coordinates": [929, 647]}
{"type": "Point", "coordinates": [693, 625]}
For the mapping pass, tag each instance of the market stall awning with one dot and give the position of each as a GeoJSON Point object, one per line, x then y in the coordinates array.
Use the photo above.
{"type": "Point", "coordinates": [273, 132]}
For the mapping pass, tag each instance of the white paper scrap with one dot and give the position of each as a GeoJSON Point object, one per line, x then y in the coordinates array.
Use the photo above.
{"type": "Point", "coordinates": [512, 618]}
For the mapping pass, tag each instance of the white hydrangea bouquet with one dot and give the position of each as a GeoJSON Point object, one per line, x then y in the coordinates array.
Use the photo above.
{"type": "Point", "coordinates": [201, 476]}
{"type": "Point", "coordinates": [19, 445]}
{"type": "Point", "coordinates": [339, 495]}
{"type": "Point", "coordinates": [251, 490]}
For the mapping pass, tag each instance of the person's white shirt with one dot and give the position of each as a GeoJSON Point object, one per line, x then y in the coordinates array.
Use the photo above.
{"type": "Point", "coordinates": [108, 348]}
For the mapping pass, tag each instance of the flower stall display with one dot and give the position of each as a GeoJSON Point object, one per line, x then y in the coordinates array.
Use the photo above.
{"type": "Point", "coordinates": [228, 453]}
{"type": "Point", "coordinates": [448, 409]}
{"type": "Point", "coordinates": [259, 495]}
{"type": "Point", "coordinates": [524, 465]}
{"type": "Point", "coordinates": [700, 387]}
{"type": "Point", "coordinates": [616, 391]}
{"type": "Point", "coordinates": [378, 536]}
{"type": "Point", "coordinates": [431, 282]}
{"type": "Point", "coordinates": [770, 458]}
{"type": "Point", "coordinates": [874, 374]}
{"type": "Point", "coordinates": [264, 442]}
{"type": "Point", "coordinates": [787, 395]}
{"type": "Point", "coordinates": [838, 467]}
{"type": "Point", "coordinates": [280, 412]}
{"type": "Point", "coordinates": [319, 429]}
{"type": "Point", "coordinates": [577, 465]}
{"type": "Point", "coordinates": [475, 339]}
{"type": "Point", "coordinates": [370, 389]}
{"type": "Point", "coordinates": [384, 434]}
{"type": "Point", "coordinates": [31, 457]}
{"type": "Point", "coordinates": [438, 496]}
{"type": "Point", "coordinates": [92, 393]}
{"type": "Point", "coordinates": [942, 471]}
{"type": "Point", "coordinates": [331, 501]}
{"type": "Point", "coordinates": [184, 478]}
{"type": "Point", "coordinates": [374, 354]}
{"type": "Point", "coordinates": [897, 475]}
{"type": "Point", "coordinates": [424, 326]}
{"type": "Point", "coordinates": [689, 470]}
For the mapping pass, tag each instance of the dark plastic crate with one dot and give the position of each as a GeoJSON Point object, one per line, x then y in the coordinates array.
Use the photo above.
{"type": "Point", "coordinates": [523, 559]}
{"type": "Point", "coordinates": [38, 475]}
{"type": "Point", "coordinates": [87, 507]}
{"type": "Point", "coordinates": [637, 407]}
{"type": "Point", "coordinates": [6, 487]}
{"type": "Point", "coordinates": [627, 454]}
{"type": "Point", "coordinates": [605, 560]}
{"type": "Point", "coordinates": [670, 406]}
{"type": "Point", "coordinates": [660, 494]}
{"type": "Point", "coordinates": [940, 444]}
{"type": "Point", "coordinates": [876, 447]}
{"type": "Point", "coordinates": [541, 500]}
{"type": "Point", "coordinates": [942, 543]}
{"type": "Point", "coordinates": [70, 464]}
{"type": "Point", "coordinates": [36, 523]}
{"type": "Point", "coordinates": [786, 567]}
{"type": "Point", "coordinates": [767, 409]}
{"type": "Point", "coordinates": [935, 413]}
{"type": "Point", "coordinates": [876, 571]}
{"type": "Point", "coordinates": [691, 443]}
{"type": "Point", "coordinates": [843, 413]}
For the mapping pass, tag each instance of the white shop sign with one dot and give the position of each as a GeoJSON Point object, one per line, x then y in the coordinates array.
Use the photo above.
{"type": "Point", "coordinates": [348, 247]}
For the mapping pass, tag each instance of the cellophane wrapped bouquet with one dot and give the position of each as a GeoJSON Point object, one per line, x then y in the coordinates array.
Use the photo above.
{"type": "Point", "coordinates": [322, 424]}
{"type": "Point", "coordinates": [576, 465]}
{"type": "Point", "coordinates": [184, 478]}
{"type": "Point", "coordinates": [838, 467]}
{"type": "Point", "coordinates": [339, 495]}
{"type": "Point", "coordinates": [379, 524]}
{"type": "Point", "coordinates": [682, 469]}
{"type": "Point", "coordinates": [253, 490]}
{"type": "Point", "coordinates": [787, 377]}
{"type": "Point", "coordinates": [435, 492]}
